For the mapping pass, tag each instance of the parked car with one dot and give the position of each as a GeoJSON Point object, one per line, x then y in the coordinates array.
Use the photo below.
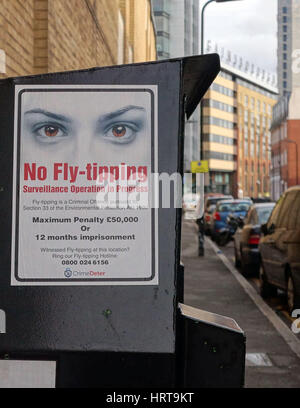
{"type": "Point", "coordinates": [222, 211]}
{"type": "Point", "coordinates": [209, 202]}
{"type": "Point", "coordinates": [280, 249]}
{"type": "Point", "coordinates": [247, 237]}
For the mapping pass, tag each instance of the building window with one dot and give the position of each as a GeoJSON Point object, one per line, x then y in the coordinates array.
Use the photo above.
{"type": "Point", "coordinates": [219, 139]}
{"type": "Point", "coordinates": [162, 44]}
{"type": "Point", "coordinates": [218, 105]}
{"type": "Point", "coordinates": [284, 10]}
{"type": "Point", "coordinates": [284, 19]}
{"type": "Point", "coordinates": [222, 89]}
{"type": "Point", "coordinates": [284, 47]}
{"type": "Point", "coordinates": [284, 84]}
{"type": "Point", "coordinates": [284, 37]}
{"type": "Point", "coordinates": [284, 65]}
{"type": "Point", "coordinates": [162, 24]}
{"type": "Point", "coordinates": [210, 120]}
{"type": "Point", "coordinates": [284, 75]}
{"type": "Point", "coordinates": [284, 56]}
{"type": "Point", "coordinates": [246, 152]}
{"type": "Point", "coordinates": [161, 6]}
{"type": "Point", "coordinates": [284, 28]}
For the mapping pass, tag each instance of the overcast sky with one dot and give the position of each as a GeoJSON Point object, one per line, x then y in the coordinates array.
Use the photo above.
{"type": "Point", "coordinates": [247, 28]}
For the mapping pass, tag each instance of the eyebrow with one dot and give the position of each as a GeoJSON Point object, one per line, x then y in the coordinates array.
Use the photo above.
{"type": "Point", "coordinates": [49, 114]}
{"type": "Point", "coordinates": [108, 116]}
{"type": "Point", "coordinates": [121, 111]}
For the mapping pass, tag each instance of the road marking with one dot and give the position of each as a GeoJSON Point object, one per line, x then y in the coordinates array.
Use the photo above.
{"type": "Point", "coordinates": [287, 334]}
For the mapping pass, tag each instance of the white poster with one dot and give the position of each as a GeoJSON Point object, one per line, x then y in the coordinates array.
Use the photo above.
{"type": "Point", "coordinates": [83, 159]}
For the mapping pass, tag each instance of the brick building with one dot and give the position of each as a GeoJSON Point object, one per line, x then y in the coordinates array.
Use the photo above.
{"type": "Point", "coordinates": [285, 144]}
{"type": "Point", "coordinates": [38, 36]}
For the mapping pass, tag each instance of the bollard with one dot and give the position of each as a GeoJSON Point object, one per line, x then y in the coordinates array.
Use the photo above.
{"type": "Point", "coordinates": [95, 289]}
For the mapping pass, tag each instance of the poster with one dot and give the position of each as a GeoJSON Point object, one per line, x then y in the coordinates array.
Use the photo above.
{"type": "Point", "coordinates": [83, 159]}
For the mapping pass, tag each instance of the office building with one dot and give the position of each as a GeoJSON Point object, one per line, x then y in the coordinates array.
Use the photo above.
{"type": "Point", "coordinates": [237, 116]}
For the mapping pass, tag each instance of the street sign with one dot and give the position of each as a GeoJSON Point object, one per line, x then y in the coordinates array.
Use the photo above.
{"type": "Point", "coordinates": [200, 166]}
{"type": "Point", "coordinates": [73, 186]}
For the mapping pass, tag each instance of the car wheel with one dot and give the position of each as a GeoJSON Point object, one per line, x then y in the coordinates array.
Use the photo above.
{"type": "Point", "coordinates": [237, 261]}
{"type": "Point", "coordinates": [293, 300]}
{"type": "Point", "coordinates": [266, 289]}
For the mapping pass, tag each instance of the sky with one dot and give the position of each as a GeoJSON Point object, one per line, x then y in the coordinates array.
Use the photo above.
{"type": "Point", "coordinates": [247, 28]}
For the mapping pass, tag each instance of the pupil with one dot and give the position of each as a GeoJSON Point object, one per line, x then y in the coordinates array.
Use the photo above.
{"type": "Point", "coordinates": [51, 131]}
{"type": "Point", "coordinates": [119, 131]}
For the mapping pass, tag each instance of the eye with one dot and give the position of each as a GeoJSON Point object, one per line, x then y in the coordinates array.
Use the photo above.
{"type": "Point", "coordinates": [121, 133]}
{"type": "Point", "coordinates": [49, 133]}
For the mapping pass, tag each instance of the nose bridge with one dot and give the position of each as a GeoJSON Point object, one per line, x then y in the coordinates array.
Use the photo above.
{"type": "Point", "coordinates": [84, 139]}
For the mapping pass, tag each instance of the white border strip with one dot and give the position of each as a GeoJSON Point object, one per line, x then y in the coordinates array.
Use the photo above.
{"type": "Point", "coordinates": [279, 325]}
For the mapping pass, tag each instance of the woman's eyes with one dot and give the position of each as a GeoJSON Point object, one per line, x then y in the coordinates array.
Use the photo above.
{"type": "Point", "coordinates": [118, 133]}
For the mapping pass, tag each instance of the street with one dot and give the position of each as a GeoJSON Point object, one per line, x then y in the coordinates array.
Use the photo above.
{"type": "Point", "coordinates": [213, 284]}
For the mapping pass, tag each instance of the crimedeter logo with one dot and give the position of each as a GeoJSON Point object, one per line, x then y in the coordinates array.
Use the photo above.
{"type": "Point", "coordinates": [68, 273]}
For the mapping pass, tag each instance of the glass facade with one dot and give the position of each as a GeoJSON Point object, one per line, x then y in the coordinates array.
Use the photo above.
{"type": "Point", "coordinates": [161, 9]}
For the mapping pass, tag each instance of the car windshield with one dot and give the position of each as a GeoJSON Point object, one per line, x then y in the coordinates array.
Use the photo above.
{"type": "Point", "coordinates": [234, 207]}
{"type": "Point", "coordinates": [263, 214]}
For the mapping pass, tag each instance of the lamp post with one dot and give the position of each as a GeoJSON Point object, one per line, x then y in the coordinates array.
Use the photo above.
{"type": "Point", "coordinates": [201, 223]}
{"type": "Point", "coordinates": [202, 18]}
{"type": "Point", "coordinates": [202, 51]}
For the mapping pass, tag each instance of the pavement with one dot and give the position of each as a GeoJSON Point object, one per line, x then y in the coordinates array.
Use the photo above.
{"type": "Point", "coordinates": [213, 284]}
